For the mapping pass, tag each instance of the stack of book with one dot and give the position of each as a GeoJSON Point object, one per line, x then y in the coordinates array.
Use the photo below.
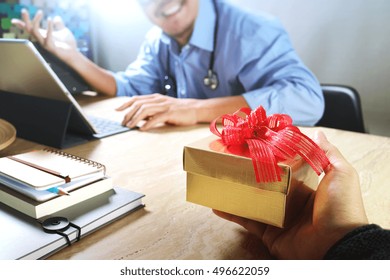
{"type": "Point", "coordinates": [42, 184]}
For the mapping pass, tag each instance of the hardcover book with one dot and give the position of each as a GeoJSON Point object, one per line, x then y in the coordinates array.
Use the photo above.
{"type": "Point", "coordinates": [39, 209]}
{"type": "Point", "coordinates": [23, 237]}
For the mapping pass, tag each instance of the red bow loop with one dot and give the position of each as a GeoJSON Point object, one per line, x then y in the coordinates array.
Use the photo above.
{"type": "Point", "coordinates": [278, 122]}
{"type": "Point", "coordinates": [232, 135]}
{"type": "Point", "coordinates": [257, 118]}
{"type": "Point", "coordinates": [270, 140]}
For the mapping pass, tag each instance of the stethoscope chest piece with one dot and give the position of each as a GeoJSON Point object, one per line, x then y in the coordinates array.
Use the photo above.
{"type": "Point", "coordinates": [211, 80]}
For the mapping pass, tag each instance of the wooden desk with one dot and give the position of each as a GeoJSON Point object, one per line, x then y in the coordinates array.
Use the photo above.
{"type": "Point", "coordinates": [171, 228]}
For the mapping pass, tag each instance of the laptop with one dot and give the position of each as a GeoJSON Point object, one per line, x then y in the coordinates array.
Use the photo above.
{"type": "Point", "coordinates": [36, 101]}
{"type": "Point", "coordinates": [70, 78]}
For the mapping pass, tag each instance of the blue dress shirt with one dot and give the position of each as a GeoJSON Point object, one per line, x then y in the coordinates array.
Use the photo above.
{"type": "Point", "coordinates": [253, 57]}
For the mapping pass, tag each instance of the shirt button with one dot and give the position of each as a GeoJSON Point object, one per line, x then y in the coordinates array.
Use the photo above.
{"type": "Point", "coordinates": [182, 92]}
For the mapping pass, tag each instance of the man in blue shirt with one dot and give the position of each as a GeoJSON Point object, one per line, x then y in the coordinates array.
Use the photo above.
{"type": "Point", "coordinates": [214, 57]}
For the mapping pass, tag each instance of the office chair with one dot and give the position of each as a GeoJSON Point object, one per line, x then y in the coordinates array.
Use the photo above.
{"type": "Point", "coordinates": [342, 108]}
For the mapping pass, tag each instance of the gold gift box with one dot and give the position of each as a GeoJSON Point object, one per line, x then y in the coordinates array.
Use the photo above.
{"type": "Point", "coordinates": [220, 180]}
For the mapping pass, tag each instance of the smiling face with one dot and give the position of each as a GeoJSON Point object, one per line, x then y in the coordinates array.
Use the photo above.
{"type": "Point", "coordinates": [174, 17]}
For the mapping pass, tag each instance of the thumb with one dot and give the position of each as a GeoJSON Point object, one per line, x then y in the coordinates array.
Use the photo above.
{"type": "Point", "coordinates": [332, 152]}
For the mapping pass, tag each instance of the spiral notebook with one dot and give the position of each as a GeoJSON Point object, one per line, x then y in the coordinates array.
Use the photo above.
{"type": "Point", "coordinates": [36, 173]}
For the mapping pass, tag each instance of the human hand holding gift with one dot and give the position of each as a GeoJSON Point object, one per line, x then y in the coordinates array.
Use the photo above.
{"type": "Point", "coordinates": [248, 170]}
{"type": "Point", "coordinates": [321, 217]}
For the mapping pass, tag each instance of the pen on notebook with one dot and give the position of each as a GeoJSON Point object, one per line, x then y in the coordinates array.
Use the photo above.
{"type": "Point", "coordinates": [59, 191]}
{"type": "Point", "coordinates": [44, 169]}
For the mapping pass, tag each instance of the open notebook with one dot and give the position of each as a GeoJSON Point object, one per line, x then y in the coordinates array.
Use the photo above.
{"type": "Point", "coordinates": [35, 173]}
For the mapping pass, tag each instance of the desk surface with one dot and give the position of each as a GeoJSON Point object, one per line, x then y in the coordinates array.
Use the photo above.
{"type": "Point", "coordinates": [171, 228]}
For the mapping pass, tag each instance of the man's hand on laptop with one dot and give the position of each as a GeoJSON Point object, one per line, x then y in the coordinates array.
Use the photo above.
{"type": "Point", "coordinates": [57, 38]}
{"type": "Point", "coordinates": [155, 109]}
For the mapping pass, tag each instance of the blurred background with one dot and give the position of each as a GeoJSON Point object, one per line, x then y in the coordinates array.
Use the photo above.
{"type": "Point", "coordinates": [342, 42]}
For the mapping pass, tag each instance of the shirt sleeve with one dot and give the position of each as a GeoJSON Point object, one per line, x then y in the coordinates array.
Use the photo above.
{"type": "Point", "coordinates": [143, 76]}
{"type": "Point", "coordinates": [278, 80]}
{"type": "Point", "coordinates": [364, 243]}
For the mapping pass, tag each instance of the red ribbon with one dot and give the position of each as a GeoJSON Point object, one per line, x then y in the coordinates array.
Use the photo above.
{"type": "Point", "coordinates": [270, 140]}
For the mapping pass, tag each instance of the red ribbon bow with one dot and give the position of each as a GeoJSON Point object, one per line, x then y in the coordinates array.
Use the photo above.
{"type": "Point", "coordinates": [270, 140]}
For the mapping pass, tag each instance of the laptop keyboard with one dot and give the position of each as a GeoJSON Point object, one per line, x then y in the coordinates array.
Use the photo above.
{"type": "Point", "coordinates": [106, 127]}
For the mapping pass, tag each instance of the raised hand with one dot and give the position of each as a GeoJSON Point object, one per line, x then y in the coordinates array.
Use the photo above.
{"type": "Point", "coordinates": [57, 38]}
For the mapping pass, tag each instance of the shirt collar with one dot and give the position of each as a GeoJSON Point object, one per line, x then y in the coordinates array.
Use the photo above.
{"type": "Point", "coordinates": [203, 34]}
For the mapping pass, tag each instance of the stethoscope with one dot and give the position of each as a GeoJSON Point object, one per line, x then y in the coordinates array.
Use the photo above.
{"type": "Point", "coordinates": [211, 78]}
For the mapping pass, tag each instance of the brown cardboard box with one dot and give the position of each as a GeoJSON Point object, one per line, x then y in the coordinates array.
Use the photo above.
{"type": "Point", "coordinates": [218, 179]}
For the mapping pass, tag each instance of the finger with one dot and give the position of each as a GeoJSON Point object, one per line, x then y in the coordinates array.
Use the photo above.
{"type": "Point", "coordinates": [125, 105]}
{"type": "Point", "coordinates": [26, 19]}
{"type": "Point", "coordinates": [323, 142]}
{"type": "Point", "coordinates": [130, 113]}
{"type": "Point", "coordinates": [133, 109]}
{"type": "Point", "coordinates": [142, 108]}
{"type": "Point", "coordinates": [49, 33]}
{"type": "Point", "coordinates": [18, 23]}
{"type": "Point", "coordinates": [252, 226]}
{"type": "Point", "coordinates": [269, 237]}
{"type": "Point", "coordinates": [145, 111]}
{"type": "Point", "coordinates": [223, 215]}
{"type": "Point", "coordinates": [36, 27]}
{"type": "Point", "coordinates": [154, 121]}
{"type": "Point", "coordinates": [332, 152]}
{"type": "Point", "coordinates": [320, 138]}
{"type": "Point", "coordinates": [58, 24]}
{"type": "Point", "coordinates": [134, 99]}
